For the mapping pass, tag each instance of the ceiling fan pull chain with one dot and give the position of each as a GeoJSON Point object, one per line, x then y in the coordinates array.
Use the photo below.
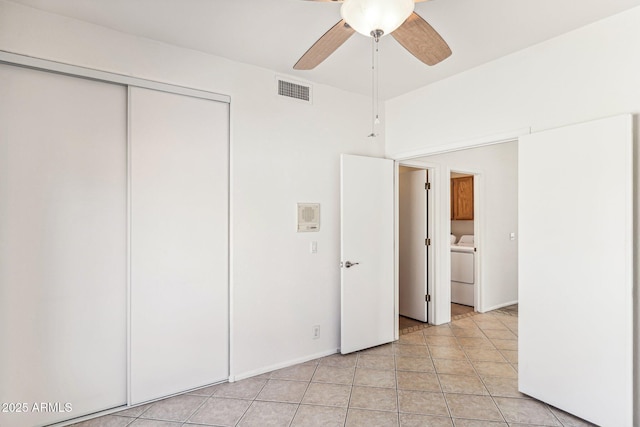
{"type": "Point", "coordinates": [373, 88]}
{"type": "Point", "coordinates": [375, 77]}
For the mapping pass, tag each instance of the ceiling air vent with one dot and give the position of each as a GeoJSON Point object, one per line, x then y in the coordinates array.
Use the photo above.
{"type": "Point", "coordinates": [293, 90]}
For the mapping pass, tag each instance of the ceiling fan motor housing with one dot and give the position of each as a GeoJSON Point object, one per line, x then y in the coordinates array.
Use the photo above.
{"type": "Point", "coordinates": [370, 17]}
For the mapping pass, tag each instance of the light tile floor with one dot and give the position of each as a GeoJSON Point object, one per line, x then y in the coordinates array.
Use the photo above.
{"type": "Point", "coordinates": [458, 311]}
{"type": "Point", "coordinates": [462, 374]}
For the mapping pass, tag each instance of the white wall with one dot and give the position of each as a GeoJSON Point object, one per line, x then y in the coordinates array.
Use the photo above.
{"type": "Point", "coordinates": [496, 191]}
{"type": "Point", "coordinates": [282, 152]}
{"type": "Point", "coordinates": [460, 228]}
{"type": "Point", "coordinates": [586, 74]}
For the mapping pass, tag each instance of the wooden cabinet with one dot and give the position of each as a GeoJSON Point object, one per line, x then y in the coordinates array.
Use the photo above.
{"type": "Point", "coordinates": [462, 198]}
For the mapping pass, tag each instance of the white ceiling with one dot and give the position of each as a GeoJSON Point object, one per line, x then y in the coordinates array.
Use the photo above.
{"type": "Point", "coordinates": [274, 33]}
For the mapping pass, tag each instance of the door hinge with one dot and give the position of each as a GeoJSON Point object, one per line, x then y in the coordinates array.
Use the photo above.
{"type": "Point", "coordinates": [427, 298]}
{"type": "Point", "coordinates": [427, 242]}
{"type": "Point", "coordinates": [427, 186]}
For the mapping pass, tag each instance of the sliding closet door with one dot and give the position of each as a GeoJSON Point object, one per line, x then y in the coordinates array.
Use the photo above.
{"type": "Point", "coordinates": [179, 243]}
{"type": "Point", "coordinates": [62, 246]}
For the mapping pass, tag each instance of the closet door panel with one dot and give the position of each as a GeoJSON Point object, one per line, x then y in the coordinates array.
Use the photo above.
{"type": "Point", "coordinates": [179, 243]}
{"type": "Point", "coordinates": [62, 246]}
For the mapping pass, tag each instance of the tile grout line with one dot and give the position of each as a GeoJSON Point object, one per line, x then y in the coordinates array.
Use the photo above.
{"type": "Point", "coordinates": [435, 371]}
{"type": "Point", "coordinates": [253, 400]}
{"type": "Point", "coordinates": [195, 410]}
{"type": "Point", "coordinates": [465, 394]}
{"type": "Point", "coordinates": [303, 394]}
{"type": "Point", "coordinates": [482, 379]}
{"type": "Point", "coordinates": [464, 351]}
{"type": "Point", "coordinates": [353, 379]}
{"type": "Point", "coordinates": [395, 376]}
{"type": "Point", "coordinates": [243, 414]}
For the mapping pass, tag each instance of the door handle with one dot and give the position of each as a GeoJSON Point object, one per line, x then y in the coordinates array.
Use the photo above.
{"type": "Point", "coordinates": [350, 264]}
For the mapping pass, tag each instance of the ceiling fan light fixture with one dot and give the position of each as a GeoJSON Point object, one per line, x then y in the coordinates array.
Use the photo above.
{"type": "Point", "coordinates": [368, 16]}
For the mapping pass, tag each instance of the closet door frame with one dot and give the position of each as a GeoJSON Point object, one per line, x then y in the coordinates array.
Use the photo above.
{"type": "Point", "coordinates": [129, 81]}
{"type": "Point", "coordinates": [88, 73]}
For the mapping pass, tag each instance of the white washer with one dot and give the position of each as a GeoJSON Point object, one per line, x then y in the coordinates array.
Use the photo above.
{"type": "Point", "coordinates": [463, 271]}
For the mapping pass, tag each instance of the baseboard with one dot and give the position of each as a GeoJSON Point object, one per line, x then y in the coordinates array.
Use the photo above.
{"type": "Point", "coordinates": [244, 375]}
{"type": "Point", "coordinates": [495, 307]}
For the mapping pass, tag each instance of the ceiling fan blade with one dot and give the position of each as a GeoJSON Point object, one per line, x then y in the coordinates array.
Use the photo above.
{"type": "Point", "coordinates": [419, 38]}
{"type": "Point", "coordinates": [325, 46]}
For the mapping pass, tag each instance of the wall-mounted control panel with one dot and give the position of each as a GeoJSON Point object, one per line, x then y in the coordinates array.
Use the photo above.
{"type": "Point", "coordinates": [308, 217]}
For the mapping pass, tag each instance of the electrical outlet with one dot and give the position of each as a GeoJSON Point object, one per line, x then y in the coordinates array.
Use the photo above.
{"type": "Point", "coordinates": [316, 332]}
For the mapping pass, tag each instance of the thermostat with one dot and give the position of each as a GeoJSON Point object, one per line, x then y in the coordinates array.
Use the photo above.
{"type": "Point", "coordinates": [308, 217]}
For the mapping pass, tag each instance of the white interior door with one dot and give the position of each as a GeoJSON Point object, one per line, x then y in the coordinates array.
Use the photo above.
{"type": "Point", "coordinates": [179, 243]}
{"type": "Point", "coordinates": [63, 230]}
{"type": "Point", "coordinates": [413, 251]}
{"type": "Point", "coordinates": [367, 287]}
{"type": "Point", "coordinates": [576, 270]}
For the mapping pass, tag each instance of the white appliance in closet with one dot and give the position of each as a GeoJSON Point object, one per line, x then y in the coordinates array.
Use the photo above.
{"type": "Point", "coordinates": [463, 270]}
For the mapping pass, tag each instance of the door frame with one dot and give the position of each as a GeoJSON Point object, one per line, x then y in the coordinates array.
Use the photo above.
{"type": "Point", "coordinates": [76, 71]}
{"type": "Point", "coordinates": [431, 224]}
{"type": "Point", "coordinates": [440, 305]}
{"type": "Point", "coordinates": [478, 231]}
{"type": "Point", "coordinates": [439, 225]}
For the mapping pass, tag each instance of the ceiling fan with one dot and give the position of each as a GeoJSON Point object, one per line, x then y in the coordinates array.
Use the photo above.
{"type": "Point", "coordinates": [375, 18]}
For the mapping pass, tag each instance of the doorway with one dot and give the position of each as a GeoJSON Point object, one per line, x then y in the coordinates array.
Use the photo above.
{"type": "Point", "coordinates": [442, 307]}
{"type": "Point", "coordinates": [414, 240]}
{"type": "Point", "coordinates": [494, 166]}
{"type": "Point", "coordinates": [463, 252]}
